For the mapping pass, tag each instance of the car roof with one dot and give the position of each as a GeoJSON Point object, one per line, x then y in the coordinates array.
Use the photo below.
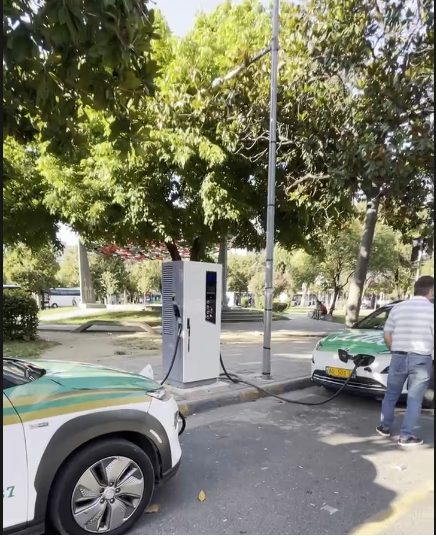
{"type": "Point", "coordinates": [390, 305]}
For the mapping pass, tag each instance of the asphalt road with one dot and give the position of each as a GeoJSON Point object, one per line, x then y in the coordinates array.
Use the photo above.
{"type": "Point", "coordinates": [273, 468]}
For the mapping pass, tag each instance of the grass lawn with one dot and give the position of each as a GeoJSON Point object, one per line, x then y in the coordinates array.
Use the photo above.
{"type": "Point", "coordinates": [23, 349]}
{"type": "Point", "coordinates": [153, 318]}
{"type": "Point", "coordinates": [340, 318]}
{"type": "Point", "coordinates": [56, 311]}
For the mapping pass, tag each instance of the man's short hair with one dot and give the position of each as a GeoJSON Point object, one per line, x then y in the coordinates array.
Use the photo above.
{"type": "Point", "coordinates": [424, 285]}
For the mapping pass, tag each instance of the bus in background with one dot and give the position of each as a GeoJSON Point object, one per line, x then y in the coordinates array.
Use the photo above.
{"type": "Point", "coordinates": [11, 287]}
{"type": "Point", "coordinates": [64, 297]}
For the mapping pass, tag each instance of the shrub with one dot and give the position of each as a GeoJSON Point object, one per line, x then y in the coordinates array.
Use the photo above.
{"type": "Point", "coordinates": [279, 307]}
{"type": "Point", "coordinates": [20, 315]}
{"type": "Point", "coordinates": [245, 302]}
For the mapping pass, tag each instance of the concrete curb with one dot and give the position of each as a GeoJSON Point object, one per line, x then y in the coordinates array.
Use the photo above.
{"type": "Point", "coordinates": [245, 395]}
{"type": "Point", "coordinates": [72, 328]}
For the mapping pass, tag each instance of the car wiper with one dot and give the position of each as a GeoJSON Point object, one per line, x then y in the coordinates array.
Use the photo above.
{"type": "Point", "coordinates": [28, 369]}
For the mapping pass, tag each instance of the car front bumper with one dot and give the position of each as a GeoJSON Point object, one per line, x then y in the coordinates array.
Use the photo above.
{"type": "Point", "coordinates": [362, 385]}
{"type": "Point", "coordinates": [171, 473]}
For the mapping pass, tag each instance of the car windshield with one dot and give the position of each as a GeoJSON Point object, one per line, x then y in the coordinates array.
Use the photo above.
{"type": "Point", "coordinates": [20, 372]}
{"type": "Point", "coordinates": [376, 320]}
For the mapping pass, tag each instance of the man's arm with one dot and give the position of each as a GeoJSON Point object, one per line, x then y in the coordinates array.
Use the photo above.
{"type": "Point", "coordinates": [389, 329]}
{"type": "Point", "coordinates": [388, 339]}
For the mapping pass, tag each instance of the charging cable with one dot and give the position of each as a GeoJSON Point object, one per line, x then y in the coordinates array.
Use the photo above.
{"type": "Point", "coordinates": [173, 360]}
{"type": "Point", "coordinates": [234, 378]}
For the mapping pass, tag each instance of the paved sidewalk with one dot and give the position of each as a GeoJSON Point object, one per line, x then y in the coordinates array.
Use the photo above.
{"type": "Point", "coordinates": [298, 327]}
{"type": "Point", "coordinates": [242, 354]}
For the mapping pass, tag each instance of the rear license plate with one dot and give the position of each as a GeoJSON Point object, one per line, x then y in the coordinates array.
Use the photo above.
{"type": "Point", "coordinates": [339, 372]}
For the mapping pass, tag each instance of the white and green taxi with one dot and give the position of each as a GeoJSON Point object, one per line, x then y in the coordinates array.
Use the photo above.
{"type": "Point", "coordinates": [83, 447]}
{"type": "Point", "coordinates": [366, 337]}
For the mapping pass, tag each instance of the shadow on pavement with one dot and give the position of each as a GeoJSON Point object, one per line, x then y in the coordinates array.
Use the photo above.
{"type": "Point", "coordinates": [272, 468]}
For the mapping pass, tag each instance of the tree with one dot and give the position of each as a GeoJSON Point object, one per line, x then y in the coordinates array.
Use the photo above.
{"type": "Point", "coordinates": [383, 58]}
{"type": "Point", "coordinates": [26, 218]}
{"type": "Point", "coordinates": [60, 62]}
{"type": "Point", "coordinates": [147, 276]}
{"type": "Point", "coordinates": [33, 270]}
{"type": "Point", "coordinates": [304, 269]}
{"type": "Point", "coordinates": [68, 275]}
{"type": "Point", "coordinates": [109, 276]}
{"type": "Point", "coordinates": [398, 282]}
{"type": "Point", "coordinates": [60, 58]}
{"type": "Point", "coordinates": [336, 263]}
{"type": "Point", "coordinates": [384, 258]}
{"type": "Point", "coordinates": [282, 282]}
{"type": "Point", "coordinates": [202, 174]}
{"type": "Point", "coordinates": [241, 269]}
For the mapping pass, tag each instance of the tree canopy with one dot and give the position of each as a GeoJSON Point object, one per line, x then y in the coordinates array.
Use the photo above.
{"type": "Point", "coordinates": [61, 57]}
{"type": "Point", "coordinates": [190, 161]}
{"type": "Point", "coordinates": [382, 54]}
{"type": "Point", "coordinates": [198, 170]}
{"type": "Point", "coordinates": [34, 271]}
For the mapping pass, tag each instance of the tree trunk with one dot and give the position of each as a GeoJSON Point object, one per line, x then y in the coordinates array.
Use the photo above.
{"type": "Point", "coordinates": [196, 250]}
{"type": "Point", "coordinates": [334, 300]}
{"type": "Point", "coordinates": [359, 278]}
{"type": "Point", "coordinates": [304, 296]}
{"type": "Point", "coordinates": [173, 251]}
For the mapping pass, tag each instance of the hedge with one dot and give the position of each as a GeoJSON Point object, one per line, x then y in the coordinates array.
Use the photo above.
{"type": "Point", "coordinates": [279, 307]}
{"type": "Point", "coordinates": [245, 302]}
{"type": "Point", "coordinates": [20, 315]}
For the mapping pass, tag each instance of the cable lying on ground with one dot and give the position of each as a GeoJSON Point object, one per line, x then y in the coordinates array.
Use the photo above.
{"type": "Point", "coordinates": [237, 379]}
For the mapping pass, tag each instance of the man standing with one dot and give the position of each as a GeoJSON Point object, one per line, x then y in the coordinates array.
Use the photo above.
{"type": "Point", "coordinates": [409, 334]}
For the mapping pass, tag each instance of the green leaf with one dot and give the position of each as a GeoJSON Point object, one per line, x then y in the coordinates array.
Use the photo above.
{"type": "Point", "coordinates": [130, 81]}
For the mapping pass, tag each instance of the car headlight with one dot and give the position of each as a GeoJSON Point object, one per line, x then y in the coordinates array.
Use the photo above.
{"type": "Point", "coordinates": [160, 394]}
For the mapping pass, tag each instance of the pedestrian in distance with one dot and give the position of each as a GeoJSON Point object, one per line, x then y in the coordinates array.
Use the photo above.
{"type": "Point", "coordinates": [409, 335]}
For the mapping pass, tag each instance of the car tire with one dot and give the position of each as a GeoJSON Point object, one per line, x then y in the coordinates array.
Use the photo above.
{"type": "Point", "coordinates": [429, 395]}
{"type": "Point", "coordinates": [60, 511]}
{"type": "Point", "coordinates": [54, 306]}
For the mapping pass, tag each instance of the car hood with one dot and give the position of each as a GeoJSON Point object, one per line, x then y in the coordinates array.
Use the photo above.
{"type": "Point", "coordinates": [68, 388]}
{"type": "Point", "coordinates": [365, 341]}
{"type": "Point", "coordinates": [83, 376]}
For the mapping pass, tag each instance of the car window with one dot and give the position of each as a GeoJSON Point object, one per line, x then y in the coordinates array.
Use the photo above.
{"type": "Point", "coordinates": [17, 372]}
{"type": "Point", "coordinates": [376, 320]}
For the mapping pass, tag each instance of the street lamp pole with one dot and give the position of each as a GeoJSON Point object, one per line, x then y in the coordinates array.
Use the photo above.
{"type": "Point", "coordinates": [269, 263]}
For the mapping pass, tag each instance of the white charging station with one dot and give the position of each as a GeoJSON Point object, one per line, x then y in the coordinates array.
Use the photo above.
{"type": "Point", "coordinates": [196, 288]}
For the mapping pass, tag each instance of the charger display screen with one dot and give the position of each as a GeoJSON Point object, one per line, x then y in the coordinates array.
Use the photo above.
{"type": "Point", "coordinates": [211, 297]}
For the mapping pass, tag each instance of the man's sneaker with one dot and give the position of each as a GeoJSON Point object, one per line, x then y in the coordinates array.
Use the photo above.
{"type": "Point", "coordinates": [410, 442]}
{"type": "Point", "coordinates": [384, 431]}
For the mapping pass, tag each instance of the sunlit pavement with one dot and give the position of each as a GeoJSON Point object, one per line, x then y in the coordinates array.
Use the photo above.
{"type": "Point", "coordinates": [272, 468]}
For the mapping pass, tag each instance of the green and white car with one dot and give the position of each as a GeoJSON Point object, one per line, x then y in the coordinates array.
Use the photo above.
{"type": "Point", "coordinates": [83, 447]}
{"type": "Point", "coordinates": [366, 337]}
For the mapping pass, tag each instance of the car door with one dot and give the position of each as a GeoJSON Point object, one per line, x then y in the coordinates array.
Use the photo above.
{"type": "Point", "coordinates": [15, 477]}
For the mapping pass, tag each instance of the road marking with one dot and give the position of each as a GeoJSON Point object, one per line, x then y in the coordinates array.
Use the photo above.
{"type": "Point", "coordinates": [379, 523]}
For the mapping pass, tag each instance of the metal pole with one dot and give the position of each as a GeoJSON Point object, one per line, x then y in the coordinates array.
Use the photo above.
{"type": "Point", "coordinates": [269, 263]}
